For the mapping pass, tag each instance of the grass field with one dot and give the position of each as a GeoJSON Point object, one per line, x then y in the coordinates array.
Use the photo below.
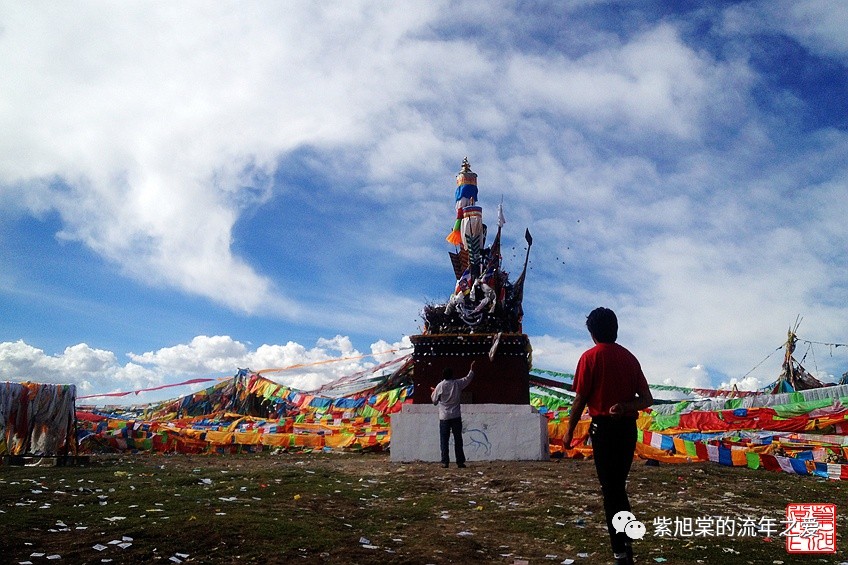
{"type": "Point", "coordinates": [361, 508]}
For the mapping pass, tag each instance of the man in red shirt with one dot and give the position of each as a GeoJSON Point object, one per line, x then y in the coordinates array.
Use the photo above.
{"type": "Point", "coordinates": [609, 380]}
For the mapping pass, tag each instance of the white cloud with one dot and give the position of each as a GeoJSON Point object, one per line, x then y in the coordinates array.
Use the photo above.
{"type": "Point", "coordinates": [151, 131]}
{"type": "Point", "coordinates": [817, 24]}
{"type": "Point", "coordinates": [202, 355]}
{"type": "Point", "coordinates": [653, 84]}
{"type": "Point", "coordinates": [90, 369]}
{"type": "Point", "coordinates": [149, 150]}
{"type": "Point", "coordinates": [384, 351]}
{"type": "Point", "coordinates": [98, 371]}
{"type": "Point", "coordinates": [555, 354]}
{"type": "Point", "coordinates": [695, 377]}
{"type": "Point", "coordinates": [746, 383]}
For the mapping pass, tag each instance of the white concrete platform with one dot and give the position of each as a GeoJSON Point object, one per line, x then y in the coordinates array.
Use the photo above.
{"type": "Point", "coordinates": [490, 432]}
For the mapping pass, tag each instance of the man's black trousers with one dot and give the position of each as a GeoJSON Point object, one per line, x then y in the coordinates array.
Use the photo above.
{"type": "Point", "coordinates": [446, 428]}
{"type": "Point", "coordinates": [613, 443]}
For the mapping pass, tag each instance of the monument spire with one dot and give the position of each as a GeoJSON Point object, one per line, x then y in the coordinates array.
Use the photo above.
{"type": "Point", "coordinates": [469, 233]}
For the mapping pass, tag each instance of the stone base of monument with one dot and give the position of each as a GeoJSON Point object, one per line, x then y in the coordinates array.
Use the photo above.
{"type": "Point", "coordinates": [490, 432]}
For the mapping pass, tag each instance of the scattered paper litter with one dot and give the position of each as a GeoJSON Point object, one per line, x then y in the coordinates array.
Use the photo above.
{"type": "Point", "coordinates": [99, 547]}
{"type": "Point", "coordinates": [124, 545]}
{"type": "Point", "coordinates": [567, 562]}
{"type": "Point", "coordinates": [364, 540]}
{"type": "Point", "coordinates": [54, 556]}
{"type": "Point", "coordinates": [465, 533]}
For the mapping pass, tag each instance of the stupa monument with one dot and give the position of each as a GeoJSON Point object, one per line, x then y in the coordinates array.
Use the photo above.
{"type": "Point", "coordinates": [480, 321]}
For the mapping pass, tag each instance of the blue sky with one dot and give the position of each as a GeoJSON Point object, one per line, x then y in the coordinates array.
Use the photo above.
{"type": "Point", "coordinates": [189, 189]}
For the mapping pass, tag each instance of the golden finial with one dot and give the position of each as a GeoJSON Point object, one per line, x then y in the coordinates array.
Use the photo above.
{"type": "Point", "coordinates": [466, 166]}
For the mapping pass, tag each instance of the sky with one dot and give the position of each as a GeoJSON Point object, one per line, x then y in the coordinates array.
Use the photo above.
{"type": "Point", "coordinates": [188, 189]}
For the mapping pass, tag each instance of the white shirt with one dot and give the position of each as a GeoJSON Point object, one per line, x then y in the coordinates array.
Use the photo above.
{"type": "Point", "coordinates": [446, 395]}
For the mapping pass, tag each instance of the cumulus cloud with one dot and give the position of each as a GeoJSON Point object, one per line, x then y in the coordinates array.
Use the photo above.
{"type": "Point", "coordinates": [97, 371]}
{"type": "Point", "coordinates": [203, 354]}
{"type": "Point", "coordinates": [90, 369]}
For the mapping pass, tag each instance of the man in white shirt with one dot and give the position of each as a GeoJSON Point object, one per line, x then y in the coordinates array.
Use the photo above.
{"type": "Point", "coordinates": [446, 395]}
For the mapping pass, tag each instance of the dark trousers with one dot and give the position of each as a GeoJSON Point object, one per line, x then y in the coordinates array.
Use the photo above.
{"type": "Point", "coordinates": [613, 444]}
{"type": "Point", "coordinates": [446, 428]}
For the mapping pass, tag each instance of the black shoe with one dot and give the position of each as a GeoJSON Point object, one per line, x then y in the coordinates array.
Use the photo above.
{"type": "Point", "coordinates": [628, 560]}
{"type": "Point", "coordinates": [461, 465]}
{"type": "Point", "coordinates": [445, 465]}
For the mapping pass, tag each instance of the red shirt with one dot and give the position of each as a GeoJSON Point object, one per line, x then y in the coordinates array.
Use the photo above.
{"type": "Point", "coordinates": [606, 375]}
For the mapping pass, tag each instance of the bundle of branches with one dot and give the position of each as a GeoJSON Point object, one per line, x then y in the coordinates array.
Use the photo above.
{"type": "Point", "coordinates": [463, 319]}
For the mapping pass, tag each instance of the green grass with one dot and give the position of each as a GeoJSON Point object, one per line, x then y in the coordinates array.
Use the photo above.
{"type": "Point", "coordinates": [320, 508]}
